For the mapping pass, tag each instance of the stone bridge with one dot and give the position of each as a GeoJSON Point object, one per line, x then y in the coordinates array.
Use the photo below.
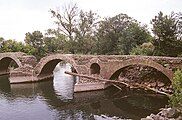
{"type": "Point", "coordinates": [105, 66]}
{"type": "Point", "coordinates": [9, 61]}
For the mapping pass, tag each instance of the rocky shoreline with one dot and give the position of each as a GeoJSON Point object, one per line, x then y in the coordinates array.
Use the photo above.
{"type": "Point", "coordinates": [165, 114]}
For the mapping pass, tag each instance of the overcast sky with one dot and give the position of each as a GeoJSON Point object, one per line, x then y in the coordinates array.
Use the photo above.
{"type": "Point", "coordinates": [18, 17]}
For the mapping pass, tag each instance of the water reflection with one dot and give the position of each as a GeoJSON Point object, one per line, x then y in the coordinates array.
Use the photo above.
{"type": "Point", "coordinates": [63, 83]}
{"type": "Point", "coordinates": [48, 101]}
{"type": "Point", "coordinates": [4, 85]}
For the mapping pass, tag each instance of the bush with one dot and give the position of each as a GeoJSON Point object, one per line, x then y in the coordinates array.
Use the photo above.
{"type": "Point", "coordinates": [176, 98]}
{"type": "Point", "coordinates": [144, 49]}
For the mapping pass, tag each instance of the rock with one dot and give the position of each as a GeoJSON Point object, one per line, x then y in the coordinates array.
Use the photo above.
{"type": "Point", "coordinates": [179, 118]}
{"type": "Point", "coordinates": [152, 84]}
{"type": "Point", "coordinates": [164, 114]}
{"type": "Point", "coordinates": [160, 84]}
{"type": "Point", "coordinates": [149, 118]}
{"type": "Point", "coordinates": [169, 113]}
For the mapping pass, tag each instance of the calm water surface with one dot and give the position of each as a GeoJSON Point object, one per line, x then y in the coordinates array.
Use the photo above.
{"type": "Point", "coordinates": [55, 100]}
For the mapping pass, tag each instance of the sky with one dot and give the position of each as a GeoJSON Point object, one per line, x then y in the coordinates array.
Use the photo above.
{"type": "Point", "coordinates": [18, 17]}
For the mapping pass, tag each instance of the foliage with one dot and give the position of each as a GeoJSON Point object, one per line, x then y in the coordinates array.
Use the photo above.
{"type": "Point", "coordinates": [176, 98]}
{"type": "Point", "coordinates": [85, 32]}
{"type": "Point", "coordinates": [66, 22]}
{"type": "Point", "coordinates": [119, 34]}
{"type": "Point", "coordinates": [52, 45]}
{"type": "Point", "coordinates": [36, 40]}
{"type": "Point", "coordinates": [1, 41]}
{"type": "Point", "coordinates": [11, 46]}
{"type": "Point", "coordinates": [168, 34]}
{"type": "Point", "coordinates": [14, 46]}
{"type": "Point", "coordinates": [144, 49]}
{"type": "Point", "coordinates": [78, 27]}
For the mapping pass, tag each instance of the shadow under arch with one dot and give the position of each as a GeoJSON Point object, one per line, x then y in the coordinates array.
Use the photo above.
{"type": "Point", "coordinates": [7, 62]}
{"type": "Point", "coordinates": [145, 62]}
{"type": "Point", "coordinates": [47, 65]}
{"type": "Point", "coordinates": [155, 73]}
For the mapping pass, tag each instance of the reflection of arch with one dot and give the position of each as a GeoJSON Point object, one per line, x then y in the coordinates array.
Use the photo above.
{"type": "Point", "coordinates": [47, 64]}
{"type": "Point", "coordinates": [6, 61]}
{"type": "Point", "coordinates": [95, 68]}
{"type": "Point", "coordinates": [146, 62]}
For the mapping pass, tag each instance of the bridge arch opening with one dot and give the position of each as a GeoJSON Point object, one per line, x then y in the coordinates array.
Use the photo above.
{"type": "Point", "coordinates": [53, 65]}
{"type": "Point", "coordinates": [63, 83]}
{"type": "Point", "coordinates": [95, 68]}
{"type": "Point", "coordinates": [6, 64]}
{"type": "Point", "coordinates": [145, 75]}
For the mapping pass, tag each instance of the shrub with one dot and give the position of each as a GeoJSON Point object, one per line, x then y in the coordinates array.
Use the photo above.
{"type": "Point", "coordinates": [176, 98]}
{"type": "Point", "coordinates": [144, 49]}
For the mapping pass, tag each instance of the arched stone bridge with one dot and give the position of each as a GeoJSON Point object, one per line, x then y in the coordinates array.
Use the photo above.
{"type": "Point", "coordinates": [16, 59]}
{"type": "Point", "coordinates": [106, 66]}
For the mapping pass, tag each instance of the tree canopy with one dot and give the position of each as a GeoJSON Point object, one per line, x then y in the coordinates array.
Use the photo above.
{"type": "Point", "coordinates": [119, 34]}
{"type": "Point", "coordinates": [168, 34]}
{"type": "Point", "coordinates": [80, 32]}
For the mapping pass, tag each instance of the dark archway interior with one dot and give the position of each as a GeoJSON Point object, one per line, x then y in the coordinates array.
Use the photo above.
{"type": "Point", "coordinates": [95, 68]}
{"type": "Point", "coordinates": [49, 67]}
{"type": "Point", "coordinates": [135, 72]}
{"type": "Point", "coordinates": [144, 75]}
{"type": "Point", "coordinates": [7, 63]}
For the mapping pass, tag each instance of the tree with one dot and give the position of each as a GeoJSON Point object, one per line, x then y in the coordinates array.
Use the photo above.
{"type": "Point", "coordinates": [135, 35]}
{"type": "Point", "coordinates": [168, 34]}
{"type": "Point", "coordinates": [52, 45]}
{"type": "Point", "coordinates": [78, 26]}
{"type": "Point", "coordinates": [66, 22]}
{"type": "Point", "coordinates": [84, 33]}
{"type": "Point", "coordinates": [1, 41]}
{"type": "Point", "coordinates": [11, 46]}
{"type": "Point", "coordinates": [14, 46]}
{"type": "Point", "coordinates": [119, 34]}
{"type": "Point", "coordinates": [36, 40]}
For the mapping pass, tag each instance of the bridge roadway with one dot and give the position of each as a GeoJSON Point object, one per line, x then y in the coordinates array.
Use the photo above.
{"type": "Point", "coordinates": [104, 66]}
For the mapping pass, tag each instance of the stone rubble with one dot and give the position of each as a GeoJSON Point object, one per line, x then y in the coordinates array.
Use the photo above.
{"type": "Point", "coordinates": [165, 114]}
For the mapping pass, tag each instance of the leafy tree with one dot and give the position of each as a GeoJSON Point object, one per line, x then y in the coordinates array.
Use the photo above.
{"type": "Point", "coordinates": [78, 26]}
{"type": "Point", "coordinates": [14, 46]}
{"type": "Point", "coordinates": [66, 22]}
{"type": "Point", "coordinates": [167, 30]}
{"type": "Point", "coordinates": [52, 45]}
{"type": "Point", "coordinates": [133, 36]}
{"type": "Point", "coordinates": [84, 33]}
{"type": "Point", "coordinates": [119, 34]}
{"type": "Point", "coordinates": [36, 40]}
{"type": "Point", "coordinates": [11, 46]}
{"type": "Point", "coordinates": [1, 41]}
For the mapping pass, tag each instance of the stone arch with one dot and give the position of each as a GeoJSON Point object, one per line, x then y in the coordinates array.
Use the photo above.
{"type": "Point", "coordinates": [5, 62]}
{"type": "Point", "coordinates": [146, 62]}
{"type": "Point", "coordinates": [47, 64]}
{"type": "Point", "coordinates": [95, 68]}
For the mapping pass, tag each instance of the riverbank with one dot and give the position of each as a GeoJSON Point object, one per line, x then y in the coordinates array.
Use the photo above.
{"type": "Point", "coordinates": [165, 114]}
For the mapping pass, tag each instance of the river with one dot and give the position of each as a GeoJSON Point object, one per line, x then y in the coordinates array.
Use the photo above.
{"type": "Point", "coordinates": [54, 100]}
